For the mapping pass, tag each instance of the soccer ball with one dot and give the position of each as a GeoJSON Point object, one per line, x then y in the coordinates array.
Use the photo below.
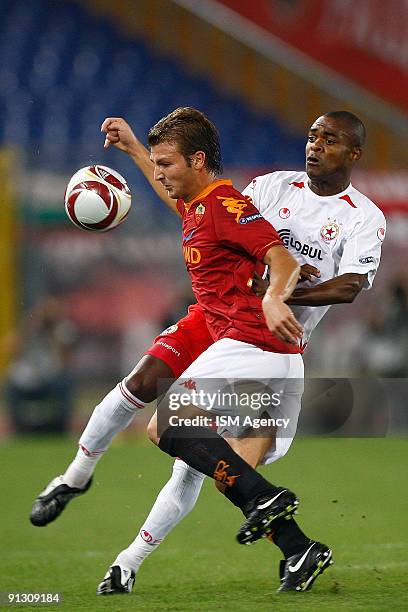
{"type": "Point", "coordinates": [97, 199]}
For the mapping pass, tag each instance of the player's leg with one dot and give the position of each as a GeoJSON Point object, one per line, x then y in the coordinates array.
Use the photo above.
{"type": "Point", "coordinates": [207, 452]}
{"type": "Point", "coordinates": [112, 415]}
{"type": "Point", "coordinates": [204, 449]}
{"type": "Point", "coordinates": [176, 499]}
{"type": "Point", "coordinates": [287, 535]}
{"type": "Point", "coordinates": [304, 558]}
{"type": "Point", "coordinates": [171, 353]}
{"type": "Point", "coordinates": [174, 502]}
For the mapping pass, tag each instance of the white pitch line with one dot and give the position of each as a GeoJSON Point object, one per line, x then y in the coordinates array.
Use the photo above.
{"type": "Point", "coordinates": [386, 546]}
{"type": "Point", "coordinates": [373, 567]}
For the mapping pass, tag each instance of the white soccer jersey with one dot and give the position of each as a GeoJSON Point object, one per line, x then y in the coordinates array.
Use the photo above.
{"type": "Point", "coordinates": [338, 234]}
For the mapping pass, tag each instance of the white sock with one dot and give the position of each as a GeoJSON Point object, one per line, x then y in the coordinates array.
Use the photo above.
{"type": "Point", "coordinates": [111, 416]}
{"type": "Point", "coordinates": [174, 502]}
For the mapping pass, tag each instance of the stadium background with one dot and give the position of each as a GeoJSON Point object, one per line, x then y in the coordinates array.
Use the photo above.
{"type": "Point", "coordinates": [262, 71]}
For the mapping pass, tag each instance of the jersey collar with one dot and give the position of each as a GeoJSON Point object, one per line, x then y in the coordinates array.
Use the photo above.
{"type": "Point", "coordinates": [206, 192]}
{"type": "Point", "coordinates": [335, 195]}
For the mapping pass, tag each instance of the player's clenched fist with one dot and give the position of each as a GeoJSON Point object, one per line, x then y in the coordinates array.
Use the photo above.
{"type": "Point", "coordinates": [119, 133]}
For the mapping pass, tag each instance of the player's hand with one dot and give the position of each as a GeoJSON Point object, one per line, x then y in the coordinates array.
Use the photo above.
{"type": "Point", "coordinates": [119, 134]}
{"type": "Point", "coordinates": [259, 285]}
{"type": "Point", "coordinates": [281, 320]}
{"type": "Point", "coordinates": [307, 272]}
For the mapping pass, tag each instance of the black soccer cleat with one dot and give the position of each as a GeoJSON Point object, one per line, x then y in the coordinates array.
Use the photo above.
{"type": "Point", "coordinates": [117, 581]}
{"type": "Point", "coordinates": [52, 501]}
{"type": "Point", "coordinates": [267, 509]}
{"type": "Point", "coordinates": [299, 572]}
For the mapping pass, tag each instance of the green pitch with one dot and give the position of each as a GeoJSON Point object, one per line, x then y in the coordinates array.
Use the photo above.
{"type": "Point", "coordinates": [353, 493]}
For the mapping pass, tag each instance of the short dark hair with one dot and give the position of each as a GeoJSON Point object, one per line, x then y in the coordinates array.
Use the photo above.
{"type": "Point", "coordinates": [192, 131]}
{"type": "Point", "coordinates": [354, 125]}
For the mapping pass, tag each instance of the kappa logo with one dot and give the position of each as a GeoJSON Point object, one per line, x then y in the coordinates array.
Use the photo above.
{"type": "Point", "coordinates": [189, 384]}
{"type": "Point", "coordinates": [296, 245]}
{"type": "Point", "coordinates": [234, 206]}
{"type": "Point", "coordinates": [221, 474]}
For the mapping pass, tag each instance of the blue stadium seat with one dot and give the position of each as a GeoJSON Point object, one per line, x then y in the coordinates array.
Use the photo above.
{"type": "Point", "coordinates": [63, 70]}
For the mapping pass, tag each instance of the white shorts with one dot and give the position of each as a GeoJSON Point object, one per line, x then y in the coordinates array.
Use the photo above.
{"type": "Point", "coordinates": [270, 383]}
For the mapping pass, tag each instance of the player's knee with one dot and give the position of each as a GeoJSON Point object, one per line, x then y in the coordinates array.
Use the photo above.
{"type": "Point", "coordinates": [143, 381]}
{"type": "Point", "coordinates": [142, 385]}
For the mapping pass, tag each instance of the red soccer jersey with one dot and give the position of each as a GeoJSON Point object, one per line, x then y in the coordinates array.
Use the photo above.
{"type": "Point", "coordinates": [224, 239]}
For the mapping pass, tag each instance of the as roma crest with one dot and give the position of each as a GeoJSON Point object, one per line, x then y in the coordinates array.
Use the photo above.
{"type": "Point", "coordinates": [199, 213]}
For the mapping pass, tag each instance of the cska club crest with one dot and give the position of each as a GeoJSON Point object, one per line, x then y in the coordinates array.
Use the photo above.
{"type": "Point", "coordinates": [330, 231]}
{"type": "Point", "coordinates": [199, 213]}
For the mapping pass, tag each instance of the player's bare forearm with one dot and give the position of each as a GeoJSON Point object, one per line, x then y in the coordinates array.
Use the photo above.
{"type": "Point", "coordinates": [340, 290]}
{"type": "Point", "coordinates": [120, 135]}
{"type": "Point", "coordinates": [140, 156]}
{"type": "Point", "coordinates": [284, 272]}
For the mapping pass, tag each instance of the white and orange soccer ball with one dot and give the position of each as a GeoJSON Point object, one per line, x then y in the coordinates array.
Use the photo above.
{"type": "Point", "coordinates": [97, 198]}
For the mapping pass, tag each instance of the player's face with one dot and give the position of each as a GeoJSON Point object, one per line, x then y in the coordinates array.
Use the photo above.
{"type": "Point", "coordinates": [173, 171]}
{"type": "Point", "coordinates": [329, 149]}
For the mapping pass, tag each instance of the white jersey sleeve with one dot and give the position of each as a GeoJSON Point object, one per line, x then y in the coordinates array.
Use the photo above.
{"type": "Point", "coordinates": [264, 190]}
{"type": "Point", "coordinates": [362, 249]}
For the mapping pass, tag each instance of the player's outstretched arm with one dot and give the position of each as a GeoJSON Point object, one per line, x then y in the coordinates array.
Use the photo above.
{"type": "Point", "coordinates": [340, 290]}
{"type": "Point", "coordinates": [120, 135]}
{"type": "Point", "coordinates": [284, 274]}
{"type": "Point", "coordinates": [261, 283]}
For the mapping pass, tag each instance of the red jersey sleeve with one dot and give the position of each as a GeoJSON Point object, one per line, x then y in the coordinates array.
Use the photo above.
{"type": "Point", "coordinates": [240, 225]}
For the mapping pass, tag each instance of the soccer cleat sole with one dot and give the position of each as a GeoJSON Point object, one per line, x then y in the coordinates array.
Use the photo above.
{"type": "Point", "coordinates": [256, 532]}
